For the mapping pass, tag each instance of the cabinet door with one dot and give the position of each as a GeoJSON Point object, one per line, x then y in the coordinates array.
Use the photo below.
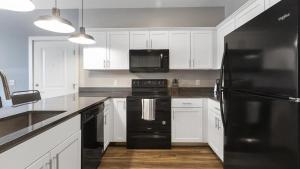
{"type": "Point", "coordinates": [118, 49]}
{"type": "Point", "coordinates": [139, 40]}
{"type": "Point", "coordinates": [220, 136]}
{"type": "Point", "coordinates": [270, 3]}
{"type": "Point", "coordinates": [107, 123]}
{"type": "Point", "coordinates": [67, 154]}
{"type": "Point", "coordinates": [187, 125]}
{"type": "Point", "coordinates": [251, 11]}
{"type": "Point", "coordinates": [42, 163]}
{"type": "Point", "coordinates": [106, 130]}
{"type": "Point", "coordinates": [159, 40]}
{"type": "Point", "coordinates": [95, 56]}
{"type": "Point", "coordinates": [180, 50]}
{"type": "Point", "coordinates": [213, 131]}
{"type": "Point", "coordinates": [119, 120]}
{"type": "Point", "coordinates": [222, 31]}
{"type": "Point", "coordinates": [202, 49]}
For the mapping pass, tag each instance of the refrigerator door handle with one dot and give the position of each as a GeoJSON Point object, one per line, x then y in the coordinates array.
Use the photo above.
{"type": "Point", "coordinates": [221, 89]}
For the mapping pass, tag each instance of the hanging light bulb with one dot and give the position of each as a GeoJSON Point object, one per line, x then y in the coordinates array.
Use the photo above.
{"type": "Point", "coordinates": [82, 37]}
{"type": "Point", "coordinates": [17, 5]}
{"type": "Point", "coordinates": [54, 22]}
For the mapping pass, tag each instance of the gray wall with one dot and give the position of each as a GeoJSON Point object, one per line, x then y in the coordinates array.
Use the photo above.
{"type": "Point", "coordinates": [154, 17]}
{"type": "Point", "coordinates": [187, 78]}
{"type": "Point", "coordinates": [232, 5]}
{"type": "Point", "coordinates": [15, 29]}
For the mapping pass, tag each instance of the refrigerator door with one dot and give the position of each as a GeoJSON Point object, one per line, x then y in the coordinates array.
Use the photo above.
{"type": "Point", "coordinates": [262, 132]}
{"type": "Point", "coordinates": [262, 55]}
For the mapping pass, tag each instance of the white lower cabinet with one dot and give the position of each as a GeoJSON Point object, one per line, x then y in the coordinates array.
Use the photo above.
{"type": "Point", "coordinates": [64, 156]}
{"type": "Point", "coordinates": [42, 163]}
{"type": "Point", "coordinates": [67, 154]}
{"type": "Point", "coordinates": [215, 128]}
{"type": "Point", "coordinates": [56, 148]}
{"type": "Point", "coordinates": [187, 120]}
{"type": "Point", "coordinates": [187, 125]}
{"type": "Point", "coordinates": [108, 122]}
{"type": "Point", "coordinates": [119, 120]}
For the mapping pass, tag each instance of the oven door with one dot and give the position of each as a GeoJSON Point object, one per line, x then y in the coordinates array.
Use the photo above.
{"type": "Point", "coordinates": [92, 137]}
{"type": "Point", "coordinates": [149, 61]}
{"type": "Point", "coordinates": [148, 134]}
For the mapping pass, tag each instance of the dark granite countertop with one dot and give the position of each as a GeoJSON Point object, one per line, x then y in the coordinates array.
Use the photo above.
{"type": "Point", "coordinates": [15, 126]}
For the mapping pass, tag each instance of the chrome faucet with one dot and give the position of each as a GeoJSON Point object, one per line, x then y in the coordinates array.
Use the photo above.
{"type": "Point", "coordinates": [5, 86]}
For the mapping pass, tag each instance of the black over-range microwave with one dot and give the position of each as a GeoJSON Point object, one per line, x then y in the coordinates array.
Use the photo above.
{"type": "Point", "coordinates": [149, 60]}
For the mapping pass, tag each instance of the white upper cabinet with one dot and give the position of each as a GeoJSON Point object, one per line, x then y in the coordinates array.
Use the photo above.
{"type": "Point", "coordinates": [118, 50]}
{"type": "Point", "coordinates": [95, 56]}
{"type": "Point", "coordinates": [201, 49]}
{"type": "Point", "coordinates": [139, 40]}
{"type": "Point", "coordinates": [149, 40]}
{"type": "Point", "coordinates": [270, 3]}
{"type": "Point", "coordinates": [254, 8]}
{"type": "Point", "coordinates": [159, 40]}
{"type": "Point", "coordinates": [180, 49]}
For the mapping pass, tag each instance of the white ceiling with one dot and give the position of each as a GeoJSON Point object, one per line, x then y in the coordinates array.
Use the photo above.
{"type": "Point", "coordinates": [73, 4]}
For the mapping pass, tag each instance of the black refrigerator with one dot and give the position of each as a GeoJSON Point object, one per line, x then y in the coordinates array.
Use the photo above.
{"type": "Point", "coordinates": [260, 91]}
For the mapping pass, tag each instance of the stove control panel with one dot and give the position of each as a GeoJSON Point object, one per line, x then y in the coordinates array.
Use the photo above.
{"type": "Point", "coordinates": [149, 83]}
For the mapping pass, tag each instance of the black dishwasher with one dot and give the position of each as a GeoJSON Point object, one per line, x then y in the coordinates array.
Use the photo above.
{"type": "Point", "coordinates": [92, 128]}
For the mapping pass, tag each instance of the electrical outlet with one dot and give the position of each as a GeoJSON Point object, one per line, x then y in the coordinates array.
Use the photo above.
{"type": "Point", "coordinates": [11, 82]}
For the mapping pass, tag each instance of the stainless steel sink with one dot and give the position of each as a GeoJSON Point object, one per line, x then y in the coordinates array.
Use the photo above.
{"type": "Point", "coordinates": [23, 120]}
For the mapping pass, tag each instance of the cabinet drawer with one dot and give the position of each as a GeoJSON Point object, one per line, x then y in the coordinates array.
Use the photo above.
{"type": "Point", "coordinates": [187, 102]}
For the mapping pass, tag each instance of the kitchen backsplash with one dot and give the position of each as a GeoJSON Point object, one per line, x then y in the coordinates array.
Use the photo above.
{"type": "Point", "coordinates": [119, 78]}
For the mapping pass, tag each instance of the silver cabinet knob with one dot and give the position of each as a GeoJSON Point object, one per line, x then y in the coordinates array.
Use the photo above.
{"type": "Point", "coordinates": [37, 85]}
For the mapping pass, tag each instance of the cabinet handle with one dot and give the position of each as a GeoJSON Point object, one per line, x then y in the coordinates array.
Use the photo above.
{"type": "Point", "coordinates": [48, 165]}
{"type": "Point", "coordinates": [216, 122]}
{"type": "Point", "coordinates": [173, 115]}
{"type": "Point", "coordinates": [124, 105]}
{"type": "Point", "coordinates": [54, 163]}
{"type": "Point", "coordinates": [151, 43]}
{"type": "Point", "coordinates": [217, 109]}
{"type": "Point", "coordinates": [190, 63]}
{"type": "Point", "coordinates": [193, 63]}
{"type": "Point", "coordinates": [104, 63]}
{"type": "Point", "coordinates": [147, 44]}
{"type": "Point", "coordinates": [187, 103]}
{"type": "Point", "coordinates": [105, 119]}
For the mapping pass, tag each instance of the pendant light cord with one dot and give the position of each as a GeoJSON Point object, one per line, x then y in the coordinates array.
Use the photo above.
{"type": "Point", "coordinates": [82, 13]}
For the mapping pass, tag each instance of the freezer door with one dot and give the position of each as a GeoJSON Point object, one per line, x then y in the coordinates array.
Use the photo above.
{"type": "Point", "coordinates": [262, 56]}
{"type": "Point", "coordinates": [261, 133]}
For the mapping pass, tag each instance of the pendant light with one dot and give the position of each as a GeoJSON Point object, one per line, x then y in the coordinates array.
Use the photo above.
{"type": "Point", "coordinates": [17, 5]}
{"type": "Point", "coordinates": [54, 22]}
{"type": "Point", "coordinates": [82, 37]}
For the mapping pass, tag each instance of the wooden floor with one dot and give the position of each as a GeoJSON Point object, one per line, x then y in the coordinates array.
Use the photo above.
{"type": "Point", "coordinates": [177, 158]}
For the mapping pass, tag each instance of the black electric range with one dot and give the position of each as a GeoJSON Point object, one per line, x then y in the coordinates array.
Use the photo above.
{"type": "Point", "coordinates": [149, 115]}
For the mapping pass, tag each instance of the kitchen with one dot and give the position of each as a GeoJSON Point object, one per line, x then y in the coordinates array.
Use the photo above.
{"type": "Point", "coordinates": [138, 92]}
